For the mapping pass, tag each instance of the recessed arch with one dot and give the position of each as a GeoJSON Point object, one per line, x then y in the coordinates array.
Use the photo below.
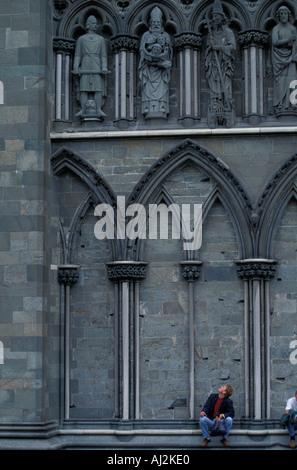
{"type": "Point", "coordinates": [173, 19]}
{"type": "Point", "coordinates": [238, 15]}
{"type": "Point", "coordinates": [272, 204]}
{"type": "Point", "coordinates": [229, 189]}
{"type": "Point", "coordinates": [76, 16]}
{"type": "Point", "coordinates": [98, 192]}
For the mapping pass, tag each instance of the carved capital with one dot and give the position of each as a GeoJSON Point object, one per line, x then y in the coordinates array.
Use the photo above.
{"type": "Point", "coordinates": [64, 44]}
{"type": "Point", "coordinates": [253, 37]}
{"type": "Point", "coordinates": [256, 269]}
{"type": "Point", "coordinates": [68, 275]}
{"type": "Point", "coordinates": [124, 42]}
{"type": "Point", "coordinates": [191, 270]}
{"type": "Point", "coordinates": [187, 39]}
{"type": "Point", "coordinates": [126, 271]}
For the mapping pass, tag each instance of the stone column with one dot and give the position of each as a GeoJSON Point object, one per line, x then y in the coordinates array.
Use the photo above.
{"type": "Point", "coordinates": [126, 275]}
{"type": "Point", "coordinates": [64, 49]}
{"type": "Point", "coordinates": [68, 276]}
{"type": "Point", "coordinates": [191, 272]}
{"type": "Point", "coordinates": [256, 274]}
{"type": "Point", "coordinates": [188, 45]}
{"type": "Point", "coordinates": [253, 43]}
{"type": "Point", "coordinates": [124, 47]}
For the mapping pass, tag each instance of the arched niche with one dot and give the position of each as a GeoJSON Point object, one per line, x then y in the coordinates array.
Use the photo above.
{"type": "Point", "coordinates": [272, 203]}
{"type": "Point", "coordinates": [97, 191]}
{"type": "Point", "coordinates": [226, 187]}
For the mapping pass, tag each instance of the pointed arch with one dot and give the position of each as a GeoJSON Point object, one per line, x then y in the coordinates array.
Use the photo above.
{"type": "Point", "coordinates": [99, 192]}
{"type": "Point", "coordinates": [139, 18]}
{"type": "Point", "coordinates": [238, 15]}
{"type": "Point", "coordinates": [273, 202]}
{"type": "Point", "coordinates": [64, 159]}
{"type": "Point", "coordinates": [229, 189]}
{"type": "Point", "coordinates": [73, 22]}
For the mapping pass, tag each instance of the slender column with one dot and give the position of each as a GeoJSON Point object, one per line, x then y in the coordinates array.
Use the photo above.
{"type": "Point", "coordinates": [252, 43]}
{"type": "Point", "coordinates": [256, 273]}
{"type": "Point", "coordinates": [59, 58]}
{"type": "Point", "coordinates": [124, 48]}
{"type": "Point", "coordinates": [188, 44]}
{"type": "Point", "coordinates": [64, 48]}
{"type": "Point", "coordinates": [67, 276]}
{"type": "Point", "coordinates": [67, 88]}
{"type": "Point", "coordinates": [136, 353]}
{"type": "Point", "coordinates": [191, 272]}
{"type": "Point", "coordinates": [128, 274]}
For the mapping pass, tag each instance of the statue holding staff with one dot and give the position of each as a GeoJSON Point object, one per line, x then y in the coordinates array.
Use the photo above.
{"type": "Point", "coordinates": [219, 61]}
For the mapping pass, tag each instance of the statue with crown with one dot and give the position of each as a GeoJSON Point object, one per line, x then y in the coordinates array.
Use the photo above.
{"type": "Point", "coordinates": [219, 64]}
{"type": "Point", "coordinates": [155, 68]}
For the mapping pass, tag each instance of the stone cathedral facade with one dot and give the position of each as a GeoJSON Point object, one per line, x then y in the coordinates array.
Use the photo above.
{"type": "Point", "coordinates": [116, 341]}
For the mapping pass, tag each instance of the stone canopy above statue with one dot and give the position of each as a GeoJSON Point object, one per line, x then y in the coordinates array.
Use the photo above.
{"type": "Point", "coordinates": [175, 64]}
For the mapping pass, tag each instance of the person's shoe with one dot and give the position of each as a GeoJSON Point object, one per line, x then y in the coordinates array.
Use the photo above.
{"type": "Point", "coordinates": [292, 442]}
{"type": "Point", "coordinates": [205, 442]}
{"type": "Point", "coordinates": [225, 442]}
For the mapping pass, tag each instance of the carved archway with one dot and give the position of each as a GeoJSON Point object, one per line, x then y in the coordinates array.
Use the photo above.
{"type": "Point", "coordinates": [229, 189]}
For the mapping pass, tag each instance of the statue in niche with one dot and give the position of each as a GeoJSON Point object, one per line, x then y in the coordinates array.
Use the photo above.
{"type": "Point", "coordinates": [284, 59]}
{"type": "Point", "coordinates": [90, 66]}
{"type": "Point", "coordinates": [219, 63]}
{"type": "Point", "coordinates": [155, 68]}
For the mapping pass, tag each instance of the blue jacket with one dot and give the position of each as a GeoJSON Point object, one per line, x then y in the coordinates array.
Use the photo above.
{"type": "Point", "coordinates": [226, 407]}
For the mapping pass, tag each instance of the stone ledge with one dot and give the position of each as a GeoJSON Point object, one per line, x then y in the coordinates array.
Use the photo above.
{"type": "Point", "coordinates": [173, 133]}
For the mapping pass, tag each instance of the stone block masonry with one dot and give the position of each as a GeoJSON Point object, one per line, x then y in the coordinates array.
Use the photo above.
{"type": "Point", "coordinates": [24, 155]}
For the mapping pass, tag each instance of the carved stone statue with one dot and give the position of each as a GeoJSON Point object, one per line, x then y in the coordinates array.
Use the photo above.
{"type": "Point", "coordinates": [90, 65]}
{"type": "Point", "coordinates": [284, 58]}
{"type": "Point", "coordinates": [219, 63]}
{"type": "Point", "coordinates": [155, 68]}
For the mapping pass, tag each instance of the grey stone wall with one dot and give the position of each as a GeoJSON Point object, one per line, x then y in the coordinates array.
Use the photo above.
{"type": "Point", "coordinates": [25, 123]}
{"type": "Point", "coordinates": [43, 207]}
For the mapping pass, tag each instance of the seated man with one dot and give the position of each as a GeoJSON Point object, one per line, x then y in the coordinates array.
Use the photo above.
{"type": "Point", "coordinates": [291, 408]}
{"type": "Point", "coordinates": [218, 407]}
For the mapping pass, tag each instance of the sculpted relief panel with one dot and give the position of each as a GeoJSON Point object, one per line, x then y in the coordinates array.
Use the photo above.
{"type": "Point", "coordinates": [210, 64]}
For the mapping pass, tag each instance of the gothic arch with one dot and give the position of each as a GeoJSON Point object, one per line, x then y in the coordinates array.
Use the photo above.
{"type": "Point", "coordinates": [238, 16]}
{"type": "Point", "coordinates": [99, 192]}
{"type": "Point", "coordinates": [272, 203]}
{"type": "Point", "coordinates": [266, 15]}
{"type": "Point", "coordinates": [73, 21]}
{"type": "Point", "coordinates": [173, 19]}
{"type": "Point", "coordinates": [228, 189]}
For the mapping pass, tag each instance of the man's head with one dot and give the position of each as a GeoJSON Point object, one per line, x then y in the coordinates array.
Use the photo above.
{"type": "Point", "coordinates": [226, 390]}
{"type": "Point", "coordinates": [91, 23]}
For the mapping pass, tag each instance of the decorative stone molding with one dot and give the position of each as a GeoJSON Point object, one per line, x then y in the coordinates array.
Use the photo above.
{"type": "Point", "coordinates": [187, 39]}
{"type": "Point", "coordinates": [256, 269]}
{"type": "Point", "coordinates": [253, 37]}
{"type": "Point", "coordinates": [68, 275]}
{"type": "Point", "coordinates": [191, 270]}
{"type": "Point", "coordinates": [63, 44]}
{"type": "Point", "coordinates": [187, 147]}
{"type": "Point", "coordinates": [126, 271]}
{"type": "Point", "coordinates": [125, 42]}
